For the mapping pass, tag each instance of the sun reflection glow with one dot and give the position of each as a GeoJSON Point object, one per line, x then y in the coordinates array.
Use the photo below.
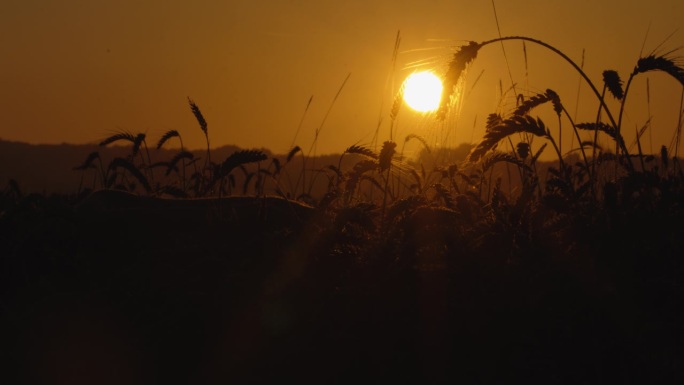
{"type": "Point", "coordinates": [423, 91]}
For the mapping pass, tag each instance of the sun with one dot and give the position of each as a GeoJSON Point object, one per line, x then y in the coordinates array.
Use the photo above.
{"type": "Point", "coordinates": [423, 91]}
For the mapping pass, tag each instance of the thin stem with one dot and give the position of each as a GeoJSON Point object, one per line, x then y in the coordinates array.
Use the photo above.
{"type": "Point", "coordinates": [301, 121]}
{"type": "Point", "coordinates": [184, 185]}
{"type": "Point", "coordinates": [598, 118]}
{"type": "Point", "coordinates": [623, 102]}
{"type": "Point", "coordinates": [679, 124]}
{"type": "Point", "coordinates": [564, 56]}
{"type": "Point", "coordinates": [579, 140]}
{"type": "Point", "coordinates": [149, 162]}
{"type": "Point", "coordinates": [579, 70]}
{"type": "Point", "coordinates": [318, 130]}
{"type": "Point", "coordinates": [560, 156]}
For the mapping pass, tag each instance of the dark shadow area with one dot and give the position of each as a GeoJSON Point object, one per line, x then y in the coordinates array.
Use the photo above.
{"type": "Point", "coordinates": [198, 295]}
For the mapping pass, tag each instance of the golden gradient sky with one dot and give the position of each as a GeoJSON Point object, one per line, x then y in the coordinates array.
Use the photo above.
{"type": "Point", "coordinates": [78, 70]}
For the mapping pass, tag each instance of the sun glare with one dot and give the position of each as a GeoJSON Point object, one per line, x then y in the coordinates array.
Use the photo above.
{"type": "Point", "coordinates": [423, 91]}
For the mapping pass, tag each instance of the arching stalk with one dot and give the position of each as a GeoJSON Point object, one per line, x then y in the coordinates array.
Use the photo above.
{"type": "Point", "coordinates": [582, 73]}
{"type": "Point", "coordinates": [622, 109]}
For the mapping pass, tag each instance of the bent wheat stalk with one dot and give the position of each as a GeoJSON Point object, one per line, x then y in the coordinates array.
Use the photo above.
{"type": "Point", "coordinates": [468, 53]}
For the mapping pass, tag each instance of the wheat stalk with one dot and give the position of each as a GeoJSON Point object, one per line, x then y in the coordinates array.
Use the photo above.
{"type": "Point", "coordinates": [89, 160]}
{"type": "Point", "coordinates": [203, 126]}
{"type": "Point", "coordinates": [504, 128]}
{"type": "Point", "coordinates": [461, 59]}
{"type": "Point", "coordinates": [361, 150]}
{"type": "Point", "coordinates": [292, 153]}
{"type": "Point", "coordinates": [131, 168]}
{"type": "Point", "coordinates": [660, 63]}
{"type": "Point", "coordinates": [355, 173]}
{"type": "Point", "coordinates": [168, 135]}
{"type": "Point", "coordinates": [117, 137]}
{"type": "Point", "coordinates": [614, 84]}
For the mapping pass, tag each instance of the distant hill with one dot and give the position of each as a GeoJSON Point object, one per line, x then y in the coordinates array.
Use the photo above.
{"type": "Point", "coordinates": [49, 168]}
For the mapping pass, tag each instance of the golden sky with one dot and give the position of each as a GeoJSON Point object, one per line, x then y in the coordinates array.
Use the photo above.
{"type": "Point", "coordinates": [78, 70]}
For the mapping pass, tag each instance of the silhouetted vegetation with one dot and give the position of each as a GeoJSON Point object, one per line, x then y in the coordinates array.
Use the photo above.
{"type": "Point", "coordinates": [480, 264]}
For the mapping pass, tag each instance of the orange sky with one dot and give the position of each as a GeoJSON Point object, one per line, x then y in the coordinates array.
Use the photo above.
{"type": "Point", "coordinates": [78, 70]}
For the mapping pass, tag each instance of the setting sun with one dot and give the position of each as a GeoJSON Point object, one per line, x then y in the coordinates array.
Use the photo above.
{"type": "Point", "coordinates": [423, 91]}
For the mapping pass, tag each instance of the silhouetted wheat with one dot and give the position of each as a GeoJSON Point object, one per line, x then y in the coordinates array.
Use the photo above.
{"type": "Point", "coordinates": [275, 162]}
{"type": "Point", "coordinates": [12, 190]}
{"type": "Point", "coordinates": [523, 150]}
{"type": "Point", "coordinates": [174, 192]}
{"type": "Point", "coordinates": [181, 155]}
{"type": "Point", "coordinates": [602, 127]}
{"type": "Point", "coordinates": [292, 153]}
{"type": "Point", "coordinates": [396, 106]}
{"type": "Point", "coordinates": [419, 181]}
{"type": "Point", "coordinates": [361, 150]}
{"type": "Point", "coordinates": [663, 157]}
{"type": "Point", "coordinates": [353, 176]}
{"type": "Point", "coordinates": [168, 135]}
{"type": "Point", "coordinates": [240, 158]}
{"type": "Point", "coordinates": [336, 170]}
{"type": "Point", "coordinates": [118, 137]}
{"type": "Point", "coordinates": [125, 164]}
{"type": "Point", "coordinates": [591, 144]}
{"type": "Point", "coordinates": [402, 208]}
{"type": "Point", "coordinates": [413, 172]}
{"type": "Point", "coordinates": [363, 167]}
{"type": "Point", "coordinates": [462, 58]}
{"type": "Point", "coordinates": [166, 165]}
{"type": "Point", "coordinates": [538, 153]}
{"type": "Point", "coordinates": [493, 120]}
{"type": "Point", "coordinates": [281, 170]}
{"type": "Point", "coordinates": [418, 138]}
{"type": "Point", "coordinates": [198, 115]}
{"type": "Point", "coordinates": [374, 182]}
{"type": "Point", "coordinates": [137, 143]}
{"type": "Point", "coordinates": [614, 84]}
{"type": "Point", "coordinates": [527, 105]}
{"type": "Point", "coordinates": [88, 163]}
{"type": "Point", "coordinates": [203, 126]}
{"type": "Point", "coordinates": [248, 179]}
{"type": "Point", "coordinates": [496, 157]}
{"type": "Point", "coordinates": [386, 154]}
{"type": "Point", "coordinates": [555, 101]}
{"type": "Point", "coordinates": [385, 164]}
{"type": "Point", "coordinates": [660, 63]}
{"type": "Point", "coordinates": [513, 125]}
{"type": "Point", "coordinates": [443, 194]}
{"type": "Point", "coordinates": [235, 160]}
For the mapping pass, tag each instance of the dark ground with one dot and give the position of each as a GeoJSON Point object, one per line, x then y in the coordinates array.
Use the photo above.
{"type": "Point", "coordinates": [129, 296]}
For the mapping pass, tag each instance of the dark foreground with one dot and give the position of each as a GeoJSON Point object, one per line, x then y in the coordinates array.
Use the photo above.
{"type": "Point", "coordinates": [208, 296]}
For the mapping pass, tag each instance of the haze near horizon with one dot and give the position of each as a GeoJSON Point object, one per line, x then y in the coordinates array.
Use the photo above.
{"type": "Point", "coordinates": [77, 71]}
